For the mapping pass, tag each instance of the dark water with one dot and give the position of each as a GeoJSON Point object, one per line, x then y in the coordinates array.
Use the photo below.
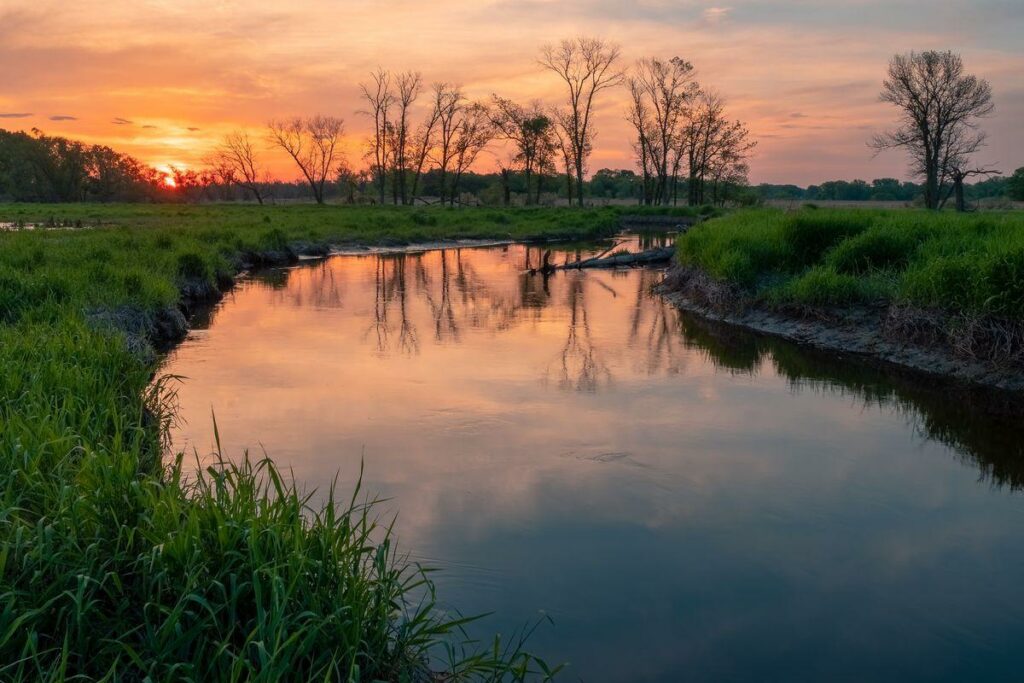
{"type": "Point", "coordinates": [686, 502]}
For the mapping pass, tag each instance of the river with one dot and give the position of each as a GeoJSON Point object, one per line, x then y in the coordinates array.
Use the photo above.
{"type": "Point", "coordinates": [684, 500]}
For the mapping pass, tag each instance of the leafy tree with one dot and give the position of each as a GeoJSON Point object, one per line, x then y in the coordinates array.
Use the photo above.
{"type": "Point", "coordinates": [1015, 185]}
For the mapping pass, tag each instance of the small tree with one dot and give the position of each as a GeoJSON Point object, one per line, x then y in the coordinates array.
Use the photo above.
{"type": "Point", "coordinates": [939, 107]}
{"type": "Point", "coordinates": [312, 143]}
{"type": "Point", "coordinates": [379, 99]}
{"type": "Point", "coordinates": [661, 93]}
{"type": "Point", "coordinates": [586, 66]}
{"type": "Point", "coordinates": [530, 128]}
{"type": "Point", "coordinates": [237, 163]}
{"type": "Point", "coordinates": [1015, 185]}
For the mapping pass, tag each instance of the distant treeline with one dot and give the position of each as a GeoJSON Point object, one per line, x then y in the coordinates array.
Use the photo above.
{"type": "Point", "coordinates": [885, 190]}
{"type": "Point", "coordinates": [41, 168]}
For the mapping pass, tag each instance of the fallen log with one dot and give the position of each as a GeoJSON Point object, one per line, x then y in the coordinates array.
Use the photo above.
{"type": "Point", "coordinates": [641, 258]}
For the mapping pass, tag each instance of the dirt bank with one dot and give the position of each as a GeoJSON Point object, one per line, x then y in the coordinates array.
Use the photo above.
{"type": "Point", "coordinates": [973, 351]}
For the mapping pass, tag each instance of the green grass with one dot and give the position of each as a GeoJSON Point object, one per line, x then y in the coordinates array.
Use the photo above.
{"type": "Point", "coordinates": [971, 264]}
{"type": "Point", "coordinates": [112, 566]}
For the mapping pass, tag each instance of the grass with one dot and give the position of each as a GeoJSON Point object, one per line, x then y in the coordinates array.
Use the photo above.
{"type": "Point", "coordinates": [964, 264]}
{"type": "Point", "coordinates": [114, 567]}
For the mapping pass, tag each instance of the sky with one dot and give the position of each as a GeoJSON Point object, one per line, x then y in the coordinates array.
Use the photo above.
{"type": "Point", "coordinates": [165, 80]}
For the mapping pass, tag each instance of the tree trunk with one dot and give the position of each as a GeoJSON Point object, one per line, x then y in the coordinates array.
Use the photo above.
{"type": "Point", "coordinates": [579, 180]}
{"type": "Point", "coordinates": [958, 189]}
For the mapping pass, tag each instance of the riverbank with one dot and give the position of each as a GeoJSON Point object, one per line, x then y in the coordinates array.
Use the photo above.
{"type": "Point", "coordinates": [229, 574]}
{"type": "Point", "coordinates": [936, 293]}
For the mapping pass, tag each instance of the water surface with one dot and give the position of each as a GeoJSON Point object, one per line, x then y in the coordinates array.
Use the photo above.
{"type": "Point", "coordinates": [687, 502]}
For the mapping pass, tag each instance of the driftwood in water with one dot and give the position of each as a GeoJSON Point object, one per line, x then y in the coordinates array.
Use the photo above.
{"type": "Point", "coordinates": [641, 258]}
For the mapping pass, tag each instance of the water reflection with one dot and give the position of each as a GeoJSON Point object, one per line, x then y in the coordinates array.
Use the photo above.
{"type": "Point", "coordinates": [981, 426]}
{"type": "Point", "coordinates": [680, 496]}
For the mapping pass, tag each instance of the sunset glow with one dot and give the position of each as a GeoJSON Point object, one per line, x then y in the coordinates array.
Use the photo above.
{"type": "Point", "coordinates": [159, 79]}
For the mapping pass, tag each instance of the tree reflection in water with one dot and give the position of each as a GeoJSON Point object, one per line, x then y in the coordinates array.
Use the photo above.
{"type": "Point", "coordinates": [454, 292]}
{"type": "Point", "coordinates": [983, 427]}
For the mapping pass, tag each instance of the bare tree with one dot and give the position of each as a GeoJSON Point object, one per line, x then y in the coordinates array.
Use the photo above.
{"type": "Point", "coordinates": [379, 99]}
{"type": "Point", "coordinates": [407, 86]}
{"type": "Point", "coordinates": [587, 66]}
{"type": "Point", "coordinates": [661, 92]}
{"type": "Point", "coordinates": [312, 143]}
{"type": "Point", "coordinates": [449, 103]}
{"type": "Point", "coordinates": [939, 107]}
{"type": "Point", "coordinates": [638, 114]}
{"type": "Point", "coordinates": [473, 133]}
{"type": "Point", "coordinates": [426, 136]}
{"type": "Point", "coordinates": [237, 163]}
{"type": "Point", "coordinates": [715, 147]}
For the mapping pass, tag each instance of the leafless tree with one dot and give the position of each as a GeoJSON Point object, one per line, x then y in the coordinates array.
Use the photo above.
{"type": "Point", "coordinates": [426, 137]}
{"type": "Point", "coordinates": [587, 66]}
{"type": "Point", "coordinates": [661, 93]}
{"type": "Point", "coordinates": [939, 107]}
{"type": "Point", "coordinates": [638, 114]}
{"type": "Point", "coordinates": [379, 98]}
{"type": "Point", "coordinates": [715, 148]}
{"type": "Point", "coordinates": [407, 87]}
{"type": "Point", "coordinates": [449, 103]}
{"type": "Point", "coordinates": [236, 162]}
{"type": "Point", "coordinates": [473, 133]}
{"type": "Point", "coordinates": [312, 143]}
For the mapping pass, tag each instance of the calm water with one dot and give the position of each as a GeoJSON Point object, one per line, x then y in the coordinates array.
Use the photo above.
{"type": "Point", "coordinates": [686, 502]}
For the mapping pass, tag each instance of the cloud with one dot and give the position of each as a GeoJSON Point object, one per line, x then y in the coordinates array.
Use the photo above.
{"type": "Point", "coordinates": [63, 117]}
{"type": "Point", "coordinates": [715, 15]}
{"type": "Point", "coordinates": [12, 115]}
{"type": "Point", "coordinates": [798, 115]}
{"type": "Point", "coordinates": [148, 127]}
{"type": "Point", "coordinates": [193, 128]}
{"type": "Point", "coordinates": [118, 121]}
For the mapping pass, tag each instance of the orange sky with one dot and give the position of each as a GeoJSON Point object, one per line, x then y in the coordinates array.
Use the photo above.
{"type": "Point", "coordinates": [165, 79]}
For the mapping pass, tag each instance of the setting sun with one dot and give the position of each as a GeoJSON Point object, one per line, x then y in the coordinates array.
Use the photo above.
{"type": "Point", "coordinates": [169, 181]}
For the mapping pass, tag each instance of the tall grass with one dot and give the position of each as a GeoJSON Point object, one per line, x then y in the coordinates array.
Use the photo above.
{"type": "Point", "coordinates": [971, 264]}
{"type": "Point", "coordinates": [114, 566]}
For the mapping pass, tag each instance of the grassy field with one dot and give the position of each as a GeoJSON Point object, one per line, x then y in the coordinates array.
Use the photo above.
{"type": "Point", "coordinates": [966, 264]}
{"type": "Point", "coordinates": [112, 567]}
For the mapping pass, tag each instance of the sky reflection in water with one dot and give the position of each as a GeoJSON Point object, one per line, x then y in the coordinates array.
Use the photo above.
{"type": "Point", "coordinates": [685, 501]}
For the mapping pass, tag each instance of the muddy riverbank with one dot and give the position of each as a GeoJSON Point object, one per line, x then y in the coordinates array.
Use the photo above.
{"type": "Point", "coordinates": [914, 339]}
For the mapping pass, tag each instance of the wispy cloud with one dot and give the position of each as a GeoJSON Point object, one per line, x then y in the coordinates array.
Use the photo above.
{"type": "Point", "coordinates": [716, 15]}
{"type": "Point", "coordinates": [63, 117]}
{"type": "Point", "coordinates": [118, 121]}
{"type": "Point", "coordinates": [14, 115]}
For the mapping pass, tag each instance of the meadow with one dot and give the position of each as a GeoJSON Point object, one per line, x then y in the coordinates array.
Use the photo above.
{"type": "Point", "coordinates": [113, 564]}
